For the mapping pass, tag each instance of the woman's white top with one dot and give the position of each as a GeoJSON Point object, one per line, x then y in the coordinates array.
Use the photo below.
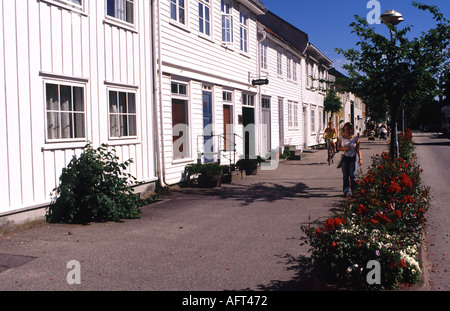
{"type": "Point", "coordinates": [349, 143]}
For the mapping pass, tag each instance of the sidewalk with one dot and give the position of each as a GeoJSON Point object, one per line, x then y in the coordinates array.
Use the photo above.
{"type": "Point", "coordinates": [241, 236]}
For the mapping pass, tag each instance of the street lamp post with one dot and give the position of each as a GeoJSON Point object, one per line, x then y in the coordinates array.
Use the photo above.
{"type": "Point", "coordinates": [394, 18]}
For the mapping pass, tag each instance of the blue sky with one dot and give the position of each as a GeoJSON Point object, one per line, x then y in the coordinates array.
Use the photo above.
{"type": "Point", "coordinates": [327, 21]}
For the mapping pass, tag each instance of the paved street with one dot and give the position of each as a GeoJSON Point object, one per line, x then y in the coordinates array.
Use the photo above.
{"type": "Point", "coordinates": [244, 235]}
{"type": "Point", "coordinates": [433, 156]}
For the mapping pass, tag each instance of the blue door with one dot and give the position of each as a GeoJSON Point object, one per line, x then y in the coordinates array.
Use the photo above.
{"type": "Point", "coordinates": [208, 127]}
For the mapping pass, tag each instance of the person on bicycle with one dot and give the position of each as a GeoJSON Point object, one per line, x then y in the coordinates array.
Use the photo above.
{"type": "Point", "coordinates": [330, 136]}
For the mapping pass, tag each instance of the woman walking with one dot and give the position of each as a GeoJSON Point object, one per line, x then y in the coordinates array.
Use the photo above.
{"type": "Point", "coordinates": [349, 143]}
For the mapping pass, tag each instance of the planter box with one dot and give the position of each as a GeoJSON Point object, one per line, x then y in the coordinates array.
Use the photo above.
{"type": "Point", "coordinates": [208, 181]}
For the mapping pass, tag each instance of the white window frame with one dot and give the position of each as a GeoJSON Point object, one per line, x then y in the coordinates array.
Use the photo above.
{"type": "Point", "coordinates": [248, 99]}
{"type": "Point", "coordinates": [119, 115]}
{"type": "Point", "coordinates": [68, 4]}
{"type": "Point", "coordinates": [175, 10]}
{"type": "Point", "coordinates": [59, 112]}
{"type": "Point", "coordinates": [120, 14]}
{"type": "Point", "coordinates": [204, 8]}
{"type": "Point", "coordinates": [263, 56]}
{"type": "Point", "coordinates": [313, 119]}
{"type": "Point", "coordinates": [280, 63]}
{"type": "Point", "coordinates": [182, 97]}
{"type": "Point", "coordinates": [227, 22]}
{"type": "Point", "coordinates": [289, 67]}
{"type": "Point", "coordinates": [243, 32]}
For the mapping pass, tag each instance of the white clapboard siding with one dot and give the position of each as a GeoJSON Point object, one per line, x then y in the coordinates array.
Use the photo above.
{"type": "Point", "coordinates": [188, 55]}
{"type": "Point", "coordinates": [281, 87]}
{"type": "Point", "coordinates": [52, 41]}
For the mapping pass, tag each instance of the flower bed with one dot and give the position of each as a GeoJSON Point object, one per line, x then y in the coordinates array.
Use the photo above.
{"type": "Point", "coordinates": [383, 221]}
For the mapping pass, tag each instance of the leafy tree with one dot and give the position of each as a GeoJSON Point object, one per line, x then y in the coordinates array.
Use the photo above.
{"type": "Point", "coordinates": [332, 103]}
{"type": "Point", "coordinates": [394, 73]}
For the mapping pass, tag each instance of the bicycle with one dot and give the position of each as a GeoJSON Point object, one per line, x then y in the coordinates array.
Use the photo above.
{"type": "Point", "coordinates": [330, 150]}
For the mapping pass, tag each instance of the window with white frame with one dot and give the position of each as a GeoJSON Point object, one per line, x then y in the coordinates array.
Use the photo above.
{"type": "Point", "coordinates": [290, 115]}
{"type": "Point", "coordinates": [122, 114]}
{"type": "Point", "coordinates": [178, 11]}
{"type": "Point", "coordinates": [65, 111]}
{"type": "Point", "coordinates": [180, 120]}
{"type": "Point", "coordinates": [280, 63]}
{"type": "Point", "coordinates": [228, 139]}
{"type": "Point", "coordinates": [289, 67]}
{"type": "Point", "coordinates": [243, 30]}
{"type": "Point", "coordinates": [248, 100]}
{"type": "Point", "coordinates": [263, 55]}
{"type": "Point", "coordinates": [293, 115]}
{"type": "Point", "coordinates": [121, 9]}
{"type": "Point", "coordinates": [227, 22]}
{"type": "Point", "coordinates": [313, 119]}
{"type": "Point", "coordinates": [294, 70]}
{"type": "Point", "coordinates": [204, 17]}
{"type": "Point", "coordinates": [74, 2]}
{"type": "Point", "coordinates": [309, 78]}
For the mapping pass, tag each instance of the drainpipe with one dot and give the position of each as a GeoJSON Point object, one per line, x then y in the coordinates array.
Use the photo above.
{"type": "Point", "coordinates": [258, 106]}
{"type": "Point", "coordinates": [157, 94]}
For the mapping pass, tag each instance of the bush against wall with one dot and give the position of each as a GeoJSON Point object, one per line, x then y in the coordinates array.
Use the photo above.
{"type": "Point", "coordinates": [384, 221]}
{"type": "Point", "coordinates": [95, 187]}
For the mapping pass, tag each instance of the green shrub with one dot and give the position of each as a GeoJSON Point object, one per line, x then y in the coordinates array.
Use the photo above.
{"type": "Point", "coordinates": [95, 187]}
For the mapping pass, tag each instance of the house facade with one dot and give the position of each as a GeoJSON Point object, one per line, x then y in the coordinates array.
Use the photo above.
{"type": "Point", "coordinates": [207, 59]}
{"type": "Point", "coordinates": [74, 72]}
{"type": "Point", "coordinates": [282, 61]}
{"type": "Point", "coordinates": [165, 83]}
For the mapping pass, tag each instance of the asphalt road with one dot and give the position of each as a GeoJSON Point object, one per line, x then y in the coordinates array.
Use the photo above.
{"type": "Point", "coordinates": [433, 153]}
{"type": "Point", "coordinates": [241, 236]}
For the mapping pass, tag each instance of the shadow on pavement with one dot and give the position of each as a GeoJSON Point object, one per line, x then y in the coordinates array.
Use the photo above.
{"type": "Point", "coordinates": [264, 192]}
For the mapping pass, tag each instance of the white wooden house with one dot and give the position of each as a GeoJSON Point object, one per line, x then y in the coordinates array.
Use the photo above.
{"type": "Point", "coordinates": [317, 66]}
{"type": "Point", "coordinates": [281, 60]}
{"type": "Point", "coordinates": [207, 59]}
{"type": "Point", "coordinates": [72, 72]}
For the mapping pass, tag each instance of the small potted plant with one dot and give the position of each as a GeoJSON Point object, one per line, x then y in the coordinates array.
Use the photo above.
{"type": "Point", "coordinates": [208, 174]}
{"type": "Point", "coordinates": [250, 166]}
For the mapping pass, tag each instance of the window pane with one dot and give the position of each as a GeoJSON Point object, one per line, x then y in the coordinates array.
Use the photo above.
{"type": "Point", "coordinates": [173, 9]}
{"type": "Point", "coordinates": [77, 2]}
{"type": "Point", "coordinates": [132, 125]}
{"type": "Point", "coordinates": [78, 99]}
{"type": "Point", "coordinates": [66, 125]}
{"type": "Point", "coordinates": [52, 125]}
{"type": "Point", "coordinates": [123, 125]}
{"type": "Point", "coordinates": [122, 102]}
{"type": "Point", "coordinates": [110, 8]}
{"type": "Point", "coordinates": [113, 102]}
{"type": "Point", "coordinates": [52, 97]}
{"type": "Point", "coordinates": [131, 103]}
{"type": "Point", "coordinates": [182, 89]}
{"type": "Point", "coordinates": [66, 98]}
{"type": "Point", "coordinates": [113, 126]}
{"type": "Point", "coordinates": [78, 119]}
{"type": "Point", "coordinates": [130, 12]}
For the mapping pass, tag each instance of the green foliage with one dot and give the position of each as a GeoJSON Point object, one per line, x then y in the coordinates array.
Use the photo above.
{"type": "Point", "coordinates": [95, 187]}
{"type": "Point", "coordinates": [249, 164]}
{"type": "Point", "coordinates": [332, 103]}
{"type": "Point", "coordinates": [391, 74]}
{"type": "Point", "coordinates": [194, 170]}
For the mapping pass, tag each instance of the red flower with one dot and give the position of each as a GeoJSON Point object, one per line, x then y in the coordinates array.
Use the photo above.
{"type": "Point", "coordinates": [403, 264]}
{"type": "Point", "coordinates": [405, 182]}
{"type": "Point", "coordinates": [398, 214]}
{"type": "Point", "coordinates": [394, 187]}
{"type": "Point", "coordinates": [408, 199]}
{"type": "Point", "coordinates": [332, 223]}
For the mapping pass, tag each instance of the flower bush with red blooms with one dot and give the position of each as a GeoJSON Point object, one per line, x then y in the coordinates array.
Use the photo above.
{"type": "Point", "coordinates": [384, 220]}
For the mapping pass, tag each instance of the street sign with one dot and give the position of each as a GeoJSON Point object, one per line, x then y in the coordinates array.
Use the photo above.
{"type": "Point", "coordinates": [260, 82]}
